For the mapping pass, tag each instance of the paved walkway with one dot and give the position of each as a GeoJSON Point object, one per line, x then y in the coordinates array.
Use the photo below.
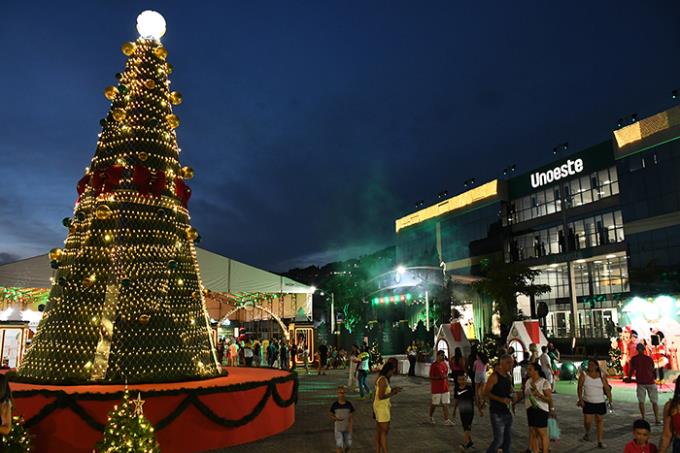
{"type": "Point", "coordinates": [411, 432]}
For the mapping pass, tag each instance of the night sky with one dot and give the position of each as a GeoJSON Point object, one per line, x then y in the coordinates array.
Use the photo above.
{"type": "Point", "coordinates": [313, 125]}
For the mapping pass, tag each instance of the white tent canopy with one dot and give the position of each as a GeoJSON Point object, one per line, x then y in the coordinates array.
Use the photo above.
{"type": "Point", "coordinates": [219, 274]}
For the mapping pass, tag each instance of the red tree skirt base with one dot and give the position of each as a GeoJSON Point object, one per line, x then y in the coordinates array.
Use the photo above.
{"type": "Point", "coordinates": [247, 405]}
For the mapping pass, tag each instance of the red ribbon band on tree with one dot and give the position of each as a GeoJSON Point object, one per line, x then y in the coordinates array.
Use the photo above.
{"type": "Point", "coordinates": [148, 182]}
{"type": "Point", "coordinates": [107, 179]}
{"type": "Point", "coordinates": [82, 184]}
{"type": "Point", "coordinates": [182, 191]}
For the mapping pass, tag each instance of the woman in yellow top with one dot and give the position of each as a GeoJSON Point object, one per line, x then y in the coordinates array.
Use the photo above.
{"type": "Point", "coordinates": [381, 406]}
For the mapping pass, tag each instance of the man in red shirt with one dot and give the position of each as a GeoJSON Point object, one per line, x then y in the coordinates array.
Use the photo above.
{"type": "Point", "coordinates": [645, 374]}
{"type": "Point", "coordinates": [439, 379]}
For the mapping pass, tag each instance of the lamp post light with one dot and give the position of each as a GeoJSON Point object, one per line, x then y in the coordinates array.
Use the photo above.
{"type": "Point", "coordinates": [323, 293]}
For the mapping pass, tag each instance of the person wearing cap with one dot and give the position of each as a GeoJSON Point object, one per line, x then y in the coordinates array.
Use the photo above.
{"type": "Point", "coordinates": [642, 366]}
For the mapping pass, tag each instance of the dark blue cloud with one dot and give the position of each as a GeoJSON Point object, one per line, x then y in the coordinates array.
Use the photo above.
{"type": "Point", "coordinates": [312, 126]}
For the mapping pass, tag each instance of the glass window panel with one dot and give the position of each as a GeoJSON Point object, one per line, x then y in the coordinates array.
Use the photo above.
{"type": "Point", "coordinates": [603, 177]}
{"type": "Point", "coordinates": [587, 197]}
{"type": "Point", "coordinates": [549, 196]}
{"type": "Point", "coordinates": [614, 187]}
{"type": "Point", "coordinates": [618, 218]}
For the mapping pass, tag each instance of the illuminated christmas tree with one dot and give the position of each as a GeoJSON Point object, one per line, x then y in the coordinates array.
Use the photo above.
{"type": "Point", "coordinates": [127, 430]}
{"type": "Point", "coordinates": [127, 302]}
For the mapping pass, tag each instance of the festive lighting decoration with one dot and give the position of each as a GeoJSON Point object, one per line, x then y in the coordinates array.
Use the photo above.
{"type": "Point", "coordinates": [128, 48]}
{"type": "Point", "coordinates": [56, 254]}
{"type": "Point", "coordinates": [161, 52]}
{"type": "Point", "coordinates": [176, 98]}
{"type": "Point", "coordinates": [465, 199]}
{"type": "Point", "coordinates": [127, 430]}
{"type": "Point", "coordinates": [110, 92]}
{"type": "Point", "coordinates": [392, 299]}
{"type": "Point", "coordinates": [103, 212]}
{"type": "Point", "coordinates": [151, 25]}
{"type": "Point", "coordinates": [118, 114]}
{"type": "Point", "coordinates": [173, 120]}
{"type": "Point", "coordinates": [187, 172]}
{"type": "Point", "coordinates": [118, 311]}
{"type": "Point", "coordinates": [18, 440]}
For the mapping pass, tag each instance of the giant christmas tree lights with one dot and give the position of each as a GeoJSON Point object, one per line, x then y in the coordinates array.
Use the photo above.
{"type": "Point", "coordinates": [127, 303]}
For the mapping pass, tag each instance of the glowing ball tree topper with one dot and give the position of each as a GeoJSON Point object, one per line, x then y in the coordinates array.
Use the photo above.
{"type": "Point", "coordinates": [150, 25]}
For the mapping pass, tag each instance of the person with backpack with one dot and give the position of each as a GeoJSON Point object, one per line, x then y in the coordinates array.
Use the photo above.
{"type": "Point", "coordinates": [592, 389]}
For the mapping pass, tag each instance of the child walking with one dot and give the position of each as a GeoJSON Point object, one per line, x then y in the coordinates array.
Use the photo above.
{"type": "Point", "coordinates": [341, 414]}
{"type": "Point", "coordinates": [464, 400]}
{"type": "Point", "coordinates": [640, 442]}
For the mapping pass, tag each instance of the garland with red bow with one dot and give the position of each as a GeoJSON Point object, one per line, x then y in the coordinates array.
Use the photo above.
{"type": "Point", "coordinates": [147, 181]}
{"type": "Point", "coordinates": [182, 191]}
{"type": "Point", "coordinates": [82, 184]}
{"type": "Point", "coordinates": [103, 181]}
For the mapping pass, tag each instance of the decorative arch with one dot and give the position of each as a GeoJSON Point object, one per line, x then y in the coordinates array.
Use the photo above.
{"type": "Point", "coordinates": [244, 302]}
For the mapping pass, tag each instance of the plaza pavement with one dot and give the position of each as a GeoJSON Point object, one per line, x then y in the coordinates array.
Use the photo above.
{"type": "Point", "coordinates": [411, 432]}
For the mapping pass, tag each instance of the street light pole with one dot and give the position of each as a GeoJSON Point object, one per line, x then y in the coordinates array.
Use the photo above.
{"type": "Point", "coordinates": [332, 313]}
{"type": "Point", "coordinates": [427, 310]}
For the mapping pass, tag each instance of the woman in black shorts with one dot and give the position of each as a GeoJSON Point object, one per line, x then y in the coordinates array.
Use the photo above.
{"type": "Point", "coordinates": [464, 400]}
{"type": "Point", "coordinates": [538, 401]}
{"type": "Point", "coordinates": [592, 387]}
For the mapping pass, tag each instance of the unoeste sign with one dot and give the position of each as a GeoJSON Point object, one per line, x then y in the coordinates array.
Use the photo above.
{"type": "Point", "coordinates": [572, 167]}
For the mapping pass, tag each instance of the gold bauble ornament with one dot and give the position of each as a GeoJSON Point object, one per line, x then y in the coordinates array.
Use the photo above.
{"type": "Point", "coordinates": [173, 120]}
{"type": "Point", "coordinates": [206, 291]}
{"type": "Point", "coordinates": [161, 52]}
{"type": "Point", "coordinates": [143, 156]}
{"type": "Point", "coordinates": [110, 92]}
{"type": "Point", "coordinates": [196, 295]}
{"type": "Point", "coordinates": [191, 233]}
{"type": "Point", "coordinates": [150, 84]}
{"type": "Point", "coordinates": [128, 48]}
{"type": "Point", "coordinates": [176, 98]}
{"type": "Point", "coordinates": [144, 319]}
{"type": "Point", "coordinates": [103, 212]}
{"type": "Point", "coordinates": [118, 114]}
{"type": "Point", "coordinates": [187, 172]}
{"type": "Point", "coordinates": [55, 254]}
{"type": "Point", "coordinates": [89, 281]}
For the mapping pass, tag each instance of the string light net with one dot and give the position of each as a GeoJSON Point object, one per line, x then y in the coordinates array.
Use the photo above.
{"type": "Point", "coordinates": [127, 303]}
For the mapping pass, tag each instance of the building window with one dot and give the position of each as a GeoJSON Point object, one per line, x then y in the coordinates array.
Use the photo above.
{"type": "Point", "coordinates": [581, 234]}
{"type": "Point", "coordinates": [577, 192]}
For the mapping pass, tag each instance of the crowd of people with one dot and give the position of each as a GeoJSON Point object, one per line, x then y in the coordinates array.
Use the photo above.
{"type": "Point", "coordinates": [477, 385]}
{"type": "Point", "coordinates": [279, 353]}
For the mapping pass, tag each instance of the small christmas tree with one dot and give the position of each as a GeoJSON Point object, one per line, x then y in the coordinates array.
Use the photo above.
{"type": "Point", "coordinates": [128, 430]}
{"type": "Point", "coordinates": [375, 356]}
{"type": "Point", "coordinates": [18, 440]}
{"type": "Point", "coordinates": [614, 362]}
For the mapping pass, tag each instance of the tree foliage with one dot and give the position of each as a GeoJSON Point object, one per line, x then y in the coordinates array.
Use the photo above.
{"type": "Point", "coordinates": [504, 281]}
